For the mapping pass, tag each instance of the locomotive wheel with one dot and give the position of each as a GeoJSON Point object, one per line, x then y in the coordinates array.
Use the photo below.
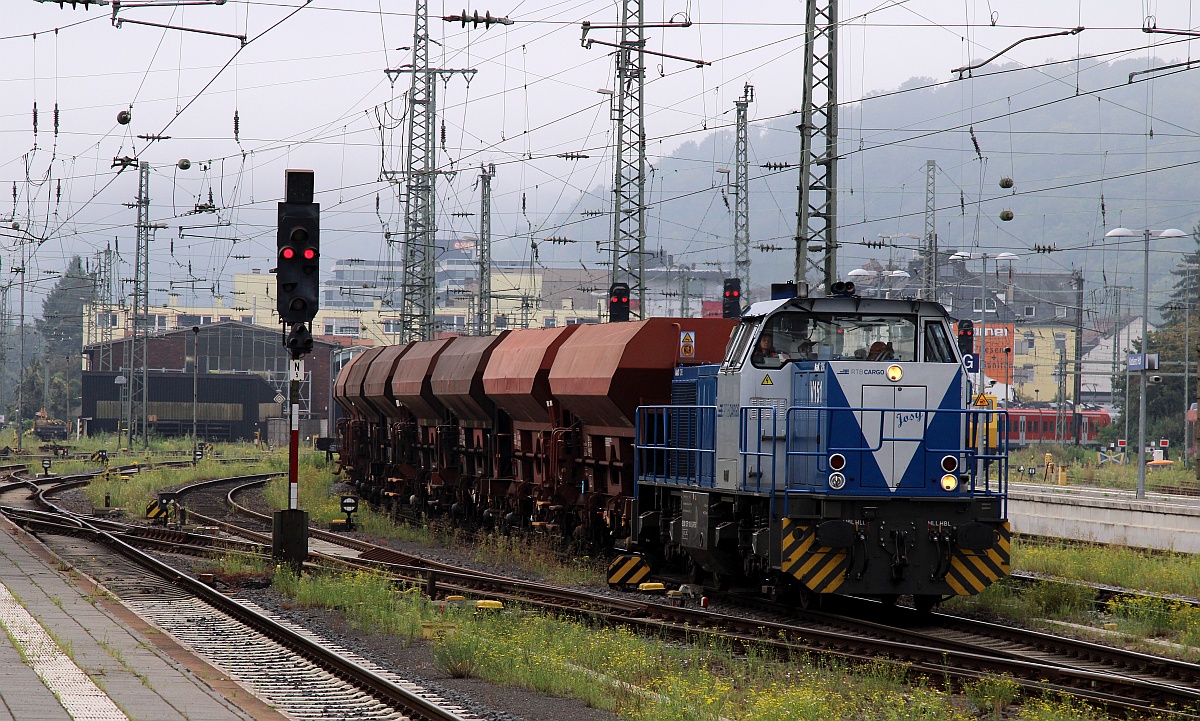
{"type": "Point", "coordinates": [925, 603]}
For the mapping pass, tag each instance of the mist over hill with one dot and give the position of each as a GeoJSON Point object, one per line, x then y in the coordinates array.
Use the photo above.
{"type": "Point", "coordinates": [1064, 148]}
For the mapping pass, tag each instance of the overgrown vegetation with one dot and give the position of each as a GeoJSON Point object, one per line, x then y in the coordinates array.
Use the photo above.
{"type": "Point", "coordinates": [542, 556]}
{"type": "Point", "coordinates": [136, 490]}
{"type": "Point", "coordinates": [1176, 573]}
{"type": "Point", "coordinates": [238, 569]}
{"type": "Point", "coordinates": [644, 678]}
{"type": "Point", "coordinates": [1083, 468]}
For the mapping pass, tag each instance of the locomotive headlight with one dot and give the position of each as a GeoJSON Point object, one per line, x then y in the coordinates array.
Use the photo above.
{"type": "Point", "coordinates": [837, 462]}
{"type": "Point", "coordinates": [949, 482]}
{"type": "Point", "coordinates": [894, 373]}
{"type": "Point", "coordinates": [949, 464]}
{"type": "Point", "coordinates": [837, 481]}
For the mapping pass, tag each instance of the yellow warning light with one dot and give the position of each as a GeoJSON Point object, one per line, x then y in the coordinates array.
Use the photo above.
{"type": "Point", "coordinates": [894, 373]}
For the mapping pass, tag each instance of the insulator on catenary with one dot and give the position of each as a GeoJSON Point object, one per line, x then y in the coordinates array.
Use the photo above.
{"type": "Point", "coordinates": [58, 191]}
{"type": "Point", "coordinates": [56, 120]}
{"type": "Point", "coordinates": [35, 117]}
{"type": "Point", "coordinates": [237, 125]}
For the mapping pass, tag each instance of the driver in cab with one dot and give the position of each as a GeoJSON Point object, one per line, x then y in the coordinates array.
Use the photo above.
{"type": "Point", "coordinates": [765, 352]}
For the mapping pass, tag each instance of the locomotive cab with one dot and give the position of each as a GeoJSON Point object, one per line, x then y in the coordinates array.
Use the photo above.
{"type": "Point", "coordinates": [838, 454]}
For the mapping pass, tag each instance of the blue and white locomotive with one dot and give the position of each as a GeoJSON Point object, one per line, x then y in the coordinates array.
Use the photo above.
{"type": "Point", "coordinates": [835, 450]}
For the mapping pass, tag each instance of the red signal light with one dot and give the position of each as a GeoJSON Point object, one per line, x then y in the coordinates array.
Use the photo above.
{"type": "Point", "coordinates": [624, 300]}
{"type": "Point", "coordinates": [309, 254]}
{"type": "Point", "coordinates": [736, 294]}
{"type": "Point", "coordinates": [287, 253]}
{"type": "Point", "coordinates": [615, 299]}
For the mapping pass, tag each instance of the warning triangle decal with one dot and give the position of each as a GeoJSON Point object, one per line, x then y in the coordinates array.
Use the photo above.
{"type": "Point", "coordinates": [687, 338]}
{"type": "Point", "coordinates": [767, 381]}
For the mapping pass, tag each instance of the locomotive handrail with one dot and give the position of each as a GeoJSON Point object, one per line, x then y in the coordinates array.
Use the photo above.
{"type": "Point", "coordinates": [978, 463]}
{"type": "Point", "coordinates": [657, 458]}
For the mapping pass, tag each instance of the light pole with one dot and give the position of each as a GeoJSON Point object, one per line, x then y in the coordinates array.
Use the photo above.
{"type": "Point", "coordinates": [878, 275]}
{"type": "Point", "coordinates": [195, 385]}
{"type": "Point", "coordinates": [1146, 235]}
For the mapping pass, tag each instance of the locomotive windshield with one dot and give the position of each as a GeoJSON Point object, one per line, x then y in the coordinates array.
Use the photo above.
{"type": "Point", "coordinates": [822, 336]}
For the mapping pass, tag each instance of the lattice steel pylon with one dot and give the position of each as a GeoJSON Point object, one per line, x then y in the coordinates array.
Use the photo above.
{"type": "Point", "coordinates": [139, 400]}
{"type": "Point", "coordinates": [103, 300]}
{"type": "Point", "coordinates": [741, 191]}
{"type": "Point", "coordinates": [929, 250]}
{"type": "Point", "coordinates": [816, 225]}
{"type": "Point", "coordinates": [629, 180]}
{"type": "Point", "coordinates": [419, 279]}
{"type": "Point", "coordinates": [483, 306]}
{"type": "Point", "coordinates": [418, 282]}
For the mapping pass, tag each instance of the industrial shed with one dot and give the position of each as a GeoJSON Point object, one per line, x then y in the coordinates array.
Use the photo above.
{"type": "Point", "coordinates": [231, 406]}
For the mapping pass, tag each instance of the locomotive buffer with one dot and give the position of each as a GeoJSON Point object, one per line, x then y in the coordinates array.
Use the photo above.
{"type": "Point", "coordinates": [297, 279]}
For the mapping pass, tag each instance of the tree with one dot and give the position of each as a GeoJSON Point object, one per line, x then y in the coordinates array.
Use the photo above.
{"type": "Point", "coordinates": [1186, 293]}
{"type": "Point", "coordinates": [1166, 405]}
{"type": "Point", "coordinates": [61, 330]}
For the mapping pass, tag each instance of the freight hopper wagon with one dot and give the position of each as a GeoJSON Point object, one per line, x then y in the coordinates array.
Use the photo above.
{"type": "Point", "coordinates": [833, 451]}
{"type": "Point", "coordinates": [524, 430]}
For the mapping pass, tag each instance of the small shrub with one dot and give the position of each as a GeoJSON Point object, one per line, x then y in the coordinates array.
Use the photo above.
{"type": "Point", "coordinates": [457, 654]}
{"type": "Point", "coordinates": [992, 694]}
{"type": "Point", "coordinates": [1151, 616]}
{"type": "Point", "coordinates": [1062, 600]}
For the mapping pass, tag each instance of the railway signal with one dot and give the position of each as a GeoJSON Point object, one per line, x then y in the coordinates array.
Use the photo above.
{"type": "Point", "coordinates": [618, 303]}
{"type": "Point", "coordinates": [966, 336]}
{"type": "Point", "coordinates": [297, 275]}
{"type": "Point", "coordinates": [298, 288]}
{"type": "Point", "coordinates": [731, 299]}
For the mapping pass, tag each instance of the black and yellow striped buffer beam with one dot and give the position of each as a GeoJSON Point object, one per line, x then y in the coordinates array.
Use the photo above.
{"type": "Point", "coordinates": [156, 510]}
{"type": "Point", "coordinates": [628, 570]}
{"type": "Point", "coordinates": [820, 569]}
{"type": "Point", "coordinates": [972, 571]}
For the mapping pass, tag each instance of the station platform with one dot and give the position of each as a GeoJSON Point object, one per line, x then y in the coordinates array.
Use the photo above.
{"type": "Point", "coordinates": [1103, 515]}
{"type": "Point", "coordinates": [70, 651]}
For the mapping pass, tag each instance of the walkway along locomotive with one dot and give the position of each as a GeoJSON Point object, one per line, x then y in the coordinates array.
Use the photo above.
{"type": "Point", "coordinates": [833, 449]}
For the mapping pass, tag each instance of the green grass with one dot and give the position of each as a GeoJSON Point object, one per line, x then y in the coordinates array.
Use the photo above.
{"type": "Point", "coordinates": [538, 555]}
{"type": "Point", "coordinates": [141, 488]}
{"type": "Point", "coordinates": [1172, 573]}
{"type": "Point", "coordinates": [1083, 469]}
{"type": "Point", "coordinates": [638, 677]}
{"type": "Point", "coordinates": [237, 568]}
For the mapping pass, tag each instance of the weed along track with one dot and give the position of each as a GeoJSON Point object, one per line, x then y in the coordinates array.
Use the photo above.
{"type": "Point", "coordinates": [937, 647]}
{"type": "Point", "coordinates": [294, 670]}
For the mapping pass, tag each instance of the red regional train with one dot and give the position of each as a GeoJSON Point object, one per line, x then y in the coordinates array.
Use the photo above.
{"type": "Point", "coordinates": [1027, 426]}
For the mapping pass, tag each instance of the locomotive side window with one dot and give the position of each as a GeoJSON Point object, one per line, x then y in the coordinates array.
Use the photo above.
{"type": "Point", "coordinates": [735, 353]}
{"type": "Point", "coordinates": [938, 348]}
{"type": "Point", "coordinates": [819, 336]}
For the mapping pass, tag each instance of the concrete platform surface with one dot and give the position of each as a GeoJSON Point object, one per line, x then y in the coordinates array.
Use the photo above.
{"type": "Point", "coordinates": [69, 650]}
{"type": "Point", "coordinates": [1103, 515]}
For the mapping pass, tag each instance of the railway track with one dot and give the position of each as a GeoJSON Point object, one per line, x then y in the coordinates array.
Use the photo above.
{"type": "Point", "coordinates": [301, 674]}
{"type": "Point", "coordinates": [950, 646]}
